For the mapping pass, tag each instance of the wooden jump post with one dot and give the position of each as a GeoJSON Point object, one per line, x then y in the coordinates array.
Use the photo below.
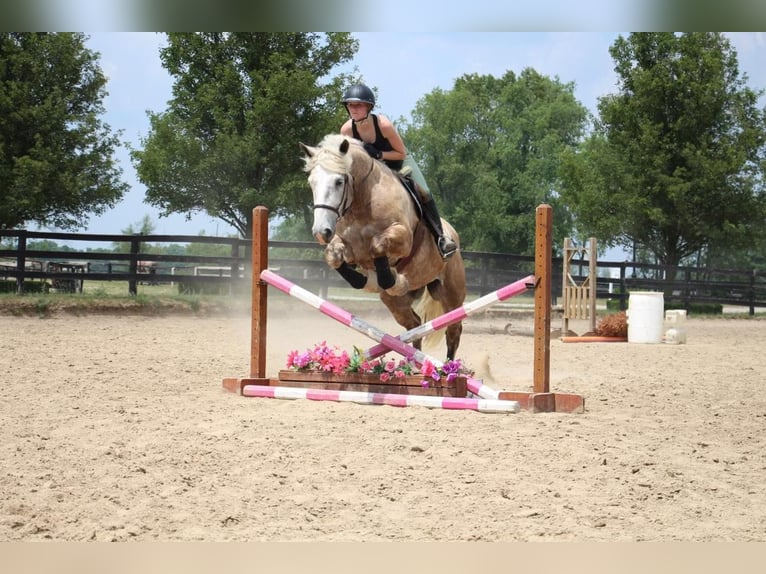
{"type": "Point", "coordinates": [351, 387]}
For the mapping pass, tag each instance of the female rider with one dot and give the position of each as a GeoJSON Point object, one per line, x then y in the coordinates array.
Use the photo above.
{"type": "Point", "coordinates": [382, 141]}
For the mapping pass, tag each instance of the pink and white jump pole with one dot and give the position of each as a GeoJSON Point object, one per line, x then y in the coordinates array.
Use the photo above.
{"type": "Point", "coordinates": [346, 318]}
{"type": "Point", "coordinates": [476, 386]}
{"type": "Point", "coordinates": [457, 314]}
{"type": "Point", "coordinates": [391, 399]}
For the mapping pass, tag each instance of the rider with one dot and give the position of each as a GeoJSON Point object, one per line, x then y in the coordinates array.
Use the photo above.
{"type": "Point", "coordinates": [382, 141]}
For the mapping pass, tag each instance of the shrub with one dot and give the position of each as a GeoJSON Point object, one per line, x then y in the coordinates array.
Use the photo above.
{"type": "Point", "coordinates": [9, 286]}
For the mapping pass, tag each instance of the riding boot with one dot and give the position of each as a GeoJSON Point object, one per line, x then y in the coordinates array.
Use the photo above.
{"type": "Point", "coordinates": [447, 246]}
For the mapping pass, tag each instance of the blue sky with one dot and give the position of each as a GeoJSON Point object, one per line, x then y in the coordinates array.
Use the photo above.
{"type": "Point", "coordinates": [402, 66]}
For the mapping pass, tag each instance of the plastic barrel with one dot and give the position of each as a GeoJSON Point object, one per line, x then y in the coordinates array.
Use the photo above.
{"type": "Point", "coordinates": [645, 316]}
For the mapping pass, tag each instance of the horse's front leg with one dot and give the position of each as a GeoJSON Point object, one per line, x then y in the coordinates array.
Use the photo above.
{"type": "Point", "coordinates": [391, 245]}
{"type": "Point", "coordinates": [336, 256]}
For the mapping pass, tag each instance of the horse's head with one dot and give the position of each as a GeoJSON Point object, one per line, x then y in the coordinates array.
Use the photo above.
{"type": "Point", "coordinates": [329, 169]}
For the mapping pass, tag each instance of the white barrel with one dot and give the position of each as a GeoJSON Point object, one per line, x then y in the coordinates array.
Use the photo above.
{"type": "Point", "coordinates": [645, 317]}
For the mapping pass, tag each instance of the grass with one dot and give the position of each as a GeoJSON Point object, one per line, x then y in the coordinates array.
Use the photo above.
{"type": "Point", "coordinates": [114, 297]}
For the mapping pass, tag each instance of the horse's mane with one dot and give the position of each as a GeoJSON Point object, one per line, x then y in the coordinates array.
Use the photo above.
{"type": "Point", "coordinates": [328, 154]}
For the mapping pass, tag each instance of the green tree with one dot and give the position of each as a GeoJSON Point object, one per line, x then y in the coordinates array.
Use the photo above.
{"type": "Point", "coordinates": [143, 227]}
{"type": "Point", "coordinates": [489, 149]}
{"type": "Point", "coordinates": [675, 164]}
{"type": "Point", "coordinates": [57, 163]}
{"type": "Point", "coordinates": [47, 245]}
{"type": "Point", "coordinates": [241, 103]}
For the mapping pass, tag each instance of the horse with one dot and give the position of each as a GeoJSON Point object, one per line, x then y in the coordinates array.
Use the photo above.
{"type": "Point", "coordinates": [376, 239]}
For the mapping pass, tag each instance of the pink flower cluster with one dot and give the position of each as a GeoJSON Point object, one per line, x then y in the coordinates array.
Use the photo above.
{"type": "Point", "coordinates": [333, 360]}
{"type": "Point", "coordinates": [387, 368]}
{"type": "Point", "coordinates": [451, 370]}
{"type": "Point", "coordinates": [320, 358]}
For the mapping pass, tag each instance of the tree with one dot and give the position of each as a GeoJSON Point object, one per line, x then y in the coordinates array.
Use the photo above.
{"type": "Point", "coordinates": [675, 164]}
{"type": "Point", "coordinates": [57, 163]}
{"type": "Point", "coordinates": [241, 104]}
{"type": "Point", "coordinates": [144, 227]}
{"type": "Point", "coordinates": [490, 148]}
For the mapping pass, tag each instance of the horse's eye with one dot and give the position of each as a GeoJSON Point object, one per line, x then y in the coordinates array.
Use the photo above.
{"type": "Point", "coordinates": [340, 182]}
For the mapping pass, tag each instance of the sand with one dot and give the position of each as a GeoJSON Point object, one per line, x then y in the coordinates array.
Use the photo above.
{"type": "Point", "coordinates": [117, 428]}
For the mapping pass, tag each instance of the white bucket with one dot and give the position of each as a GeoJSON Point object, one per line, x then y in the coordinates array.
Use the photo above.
{"type": "Point", "coordinates": [645, 315]}
{"type": "Point", "coordinates": [675, 316]}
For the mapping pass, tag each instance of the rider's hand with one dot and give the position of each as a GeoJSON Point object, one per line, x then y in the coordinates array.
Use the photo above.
{"type": "Point", "coordinates": [373, 151]}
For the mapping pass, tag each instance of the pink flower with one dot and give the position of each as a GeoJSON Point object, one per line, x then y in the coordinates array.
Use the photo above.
{"type": "Point", "coordinates": [428, 368]}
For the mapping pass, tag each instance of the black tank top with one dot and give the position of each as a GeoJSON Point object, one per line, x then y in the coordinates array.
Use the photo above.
{"type": "Point", "coordinates": [380, 142]}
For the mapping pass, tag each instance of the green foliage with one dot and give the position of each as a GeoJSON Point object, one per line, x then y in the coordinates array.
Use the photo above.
{"type": "Point", "coordinates": [145, 227]}
{"type": "Point", "coordinates": [9, 286]}
{"type": "Point", "coordinates": [208, 249]}
{"type": "Point", "coordinates": [56, 155]}
{"type": "Point", "coordinates": [697, 308]}
{"type": "Point", "coordinates": [42, 307]}
{"type": "Point", "coordinates": [612, 304]}
{"type": "Point", "coordinates": [293, 229]}
{"type": "Point", "coordinates": [241, 104]}
{"type": "Point", "coordinates": [676, 160]}
{"type": "Point", "coordinates": [47, 245]}
{"type": "Point", "coordinates": [490, 148]}
{"type": "Point", "coordinates": [203, 288]}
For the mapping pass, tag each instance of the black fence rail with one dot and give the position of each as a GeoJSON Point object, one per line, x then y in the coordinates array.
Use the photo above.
{"type": "Point", "coordinates": [23, 269]}
{"type": "Point", "coordinates": [135, 265]}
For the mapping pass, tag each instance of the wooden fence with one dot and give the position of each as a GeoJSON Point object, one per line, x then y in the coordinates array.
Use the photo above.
{"type": "Point", "coordinates": [302, 263]}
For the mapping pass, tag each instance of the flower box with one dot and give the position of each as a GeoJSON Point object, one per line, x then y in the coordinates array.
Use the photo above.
{"type": "Point", "coordinates": [371, 383]}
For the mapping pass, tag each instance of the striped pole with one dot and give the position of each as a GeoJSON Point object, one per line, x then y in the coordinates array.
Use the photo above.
{"type": "Point", "coordinates": [457, 314]}
{"type": "Point", "coordinates": [348, 319]}
{"type": "Point", "coordinates": [478, 388]}
{"type": "Point", "coordinates": [391, 399]}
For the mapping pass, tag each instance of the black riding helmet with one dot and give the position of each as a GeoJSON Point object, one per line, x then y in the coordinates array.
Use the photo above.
{"type": "Point", "coordinates": [358, 93]}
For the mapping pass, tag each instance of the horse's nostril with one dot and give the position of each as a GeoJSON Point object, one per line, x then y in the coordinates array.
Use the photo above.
{"type": "Point", "coordinates": [327, 234]}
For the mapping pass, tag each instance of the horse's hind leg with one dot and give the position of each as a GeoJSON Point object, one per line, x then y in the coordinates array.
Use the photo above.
{"type": "Point", "coordinates": [452, 334]}
{"type": "Point", "coordinates": [453, 291]}
{"type": "Point", "coordinates": [436, 290]}
{"type": "Point", "coordinates": [448, 301]}
{"type": "Point", "coordinates": [401, 310]}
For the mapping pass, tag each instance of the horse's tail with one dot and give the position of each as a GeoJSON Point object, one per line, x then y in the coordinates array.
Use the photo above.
{"type": "Point", "coordinates": [429, 308]}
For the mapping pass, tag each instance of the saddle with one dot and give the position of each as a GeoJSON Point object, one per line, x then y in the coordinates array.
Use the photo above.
{"type": "Point", "coordinates": [412, 188]}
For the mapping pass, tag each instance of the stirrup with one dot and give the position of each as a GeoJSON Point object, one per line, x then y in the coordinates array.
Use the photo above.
{"type": "Point", "coordinates": [446, 246]}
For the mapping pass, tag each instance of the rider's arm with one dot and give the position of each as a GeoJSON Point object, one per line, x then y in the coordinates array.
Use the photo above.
{"type": "Point", "coordinates": [389, 131]}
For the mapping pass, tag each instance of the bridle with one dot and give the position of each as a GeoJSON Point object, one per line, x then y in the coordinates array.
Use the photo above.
{"type": "Point", "coordinates": [346, 199]}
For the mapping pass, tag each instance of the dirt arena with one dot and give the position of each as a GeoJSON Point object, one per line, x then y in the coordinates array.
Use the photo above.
{"type": "Point", "coordinates": [116, 428]}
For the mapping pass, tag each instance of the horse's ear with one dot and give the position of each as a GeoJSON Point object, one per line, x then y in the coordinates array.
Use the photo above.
{"type": "Point", "coordinates": [309, 151]}
{"type": "Point", "coordinates": [344, 146]}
